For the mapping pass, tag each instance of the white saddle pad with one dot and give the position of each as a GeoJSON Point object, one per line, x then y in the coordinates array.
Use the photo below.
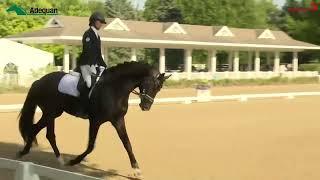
{"type": "Point", "coordinates": [68, 84]}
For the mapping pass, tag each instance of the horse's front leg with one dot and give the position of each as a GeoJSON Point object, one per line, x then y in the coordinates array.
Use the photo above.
{"type": "Point", "coordinates": [93, 131]}
{"type": "Point", "coordinates": [120, 126]}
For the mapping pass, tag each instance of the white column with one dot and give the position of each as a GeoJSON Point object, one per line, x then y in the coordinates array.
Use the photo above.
{"type": "Point", "coordinates": [66, 59]}
{"type": "Point", "coordinates": [236, 61]}
{"type": "Point", "coordinates": [105, 54]}
{"type": "Point", "coordinates": [188, 62]}
{"type": "Point", "coordinates": [213, 61]}
{"type": "Point", "coordinates": [74, 59]}
{"type": "Point", "coordinates": [162, 60]}
{"type": "Point", "coordinates": [276, 66]}
{"type": "Point", "coordinates": [250, 61]}
{"type": "Point", "coordinates": [295, 62]}
{"type": "Point", "coordinates": [257, 62]}
{"type": "Point", "coordinates": [230, 61]}
{"type": "Point", "coordinates": [133, 54]}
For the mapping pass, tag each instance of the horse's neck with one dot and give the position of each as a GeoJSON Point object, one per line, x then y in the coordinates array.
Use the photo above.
{"type": "Point", "coordinates": [125, 85]}
{"type": "Point", "coordinates": [131, 84]}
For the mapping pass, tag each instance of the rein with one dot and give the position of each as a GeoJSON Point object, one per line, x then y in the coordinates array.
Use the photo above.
{"type": "Point", "coordinates": [143, 95]}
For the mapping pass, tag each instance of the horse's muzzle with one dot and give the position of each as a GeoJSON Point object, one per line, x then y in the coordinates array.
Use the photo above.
{"type": "Point", "coordinates": [144, 107]}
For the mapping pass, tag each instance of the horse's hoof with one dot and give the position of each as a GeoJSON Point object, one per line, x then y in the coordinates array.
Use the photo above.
{"type": "Point", "coordinates": [61, 161]}
{"type": "Point", "coordinates": [72, 162]}
{"type": "Point", "coordinates": [20, 154]}
{"type": "Point", "coordinates": [137, 173]}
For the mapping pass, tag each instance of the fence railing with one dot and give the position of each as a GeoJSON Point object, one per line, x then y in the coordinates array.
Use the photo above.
{"type": "Point", "coordinates": [241, 75]}
{"type": "Point", "coordinates": [31, 171]}
{"type": "Point", "coordinates": [188, 100]}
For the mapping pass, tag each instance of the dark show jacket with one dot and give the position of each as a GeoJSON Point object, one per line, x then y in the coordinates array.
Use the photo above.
{"type": "Point", "coordinates": [91, 51]}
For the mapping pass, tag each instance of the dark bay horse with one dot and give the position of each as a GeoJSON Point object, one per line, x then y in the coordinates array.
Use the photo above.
{"type": "Point", "coordinates": [108, 102]}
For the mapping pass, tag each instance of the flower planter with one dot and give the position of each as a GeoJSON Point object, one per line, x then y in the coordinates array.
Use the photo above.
{"type": "Point", "coordinates": [203, 92]}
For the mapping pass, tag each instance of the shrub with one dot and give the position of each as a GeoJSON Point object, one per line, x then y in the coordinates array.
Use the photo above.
{"type": "Point", "coordinates": [309, 67]}
{"type": "Point", "coordinates": [12, 89]}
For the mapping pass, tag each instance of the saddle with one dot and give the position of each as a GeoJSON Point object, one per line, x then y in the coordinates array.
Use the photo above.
{"type": "Point", "coordinates": [68, 84]}
{"type": "Point", "coordinates": [74, 85]}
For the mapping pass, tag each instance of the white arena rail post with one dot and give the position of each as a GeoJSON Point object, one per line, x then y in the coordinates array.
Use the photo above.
{"type": "Point", "coordinates": [31, 171]}
{"type": "Point", "coordinates": [25, 171]}
{"type": "Point", "coordinates": [57, 174]}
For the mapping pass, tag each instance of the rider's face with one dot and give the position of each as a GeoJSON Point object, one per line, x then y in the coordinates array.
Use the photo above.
{"type": "Point", "coordinates": [98, 24]}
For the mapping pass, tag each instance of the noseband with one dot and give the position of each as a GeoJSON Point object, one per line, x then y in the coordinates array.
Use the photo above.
{"type": "Point", "coordinates": [143, 95]}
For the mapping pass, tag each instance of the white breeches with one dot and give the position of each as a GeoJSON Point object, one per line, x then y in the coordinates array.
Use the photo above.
{"type": "Point", "coordinates": [86, 72]}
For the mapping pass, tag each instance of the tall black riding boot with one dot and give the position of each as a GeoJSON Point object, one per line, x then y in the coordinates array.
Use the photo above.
{"type": "Point", "coordinates": [84, 99]}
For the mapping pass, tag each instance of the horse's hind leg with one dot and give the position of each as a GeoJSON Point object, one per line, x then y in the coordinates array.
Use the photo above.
{"type": "Point", "coordinates": [35, 130]}
{"type": "Point", "coordinates": [52, 140]}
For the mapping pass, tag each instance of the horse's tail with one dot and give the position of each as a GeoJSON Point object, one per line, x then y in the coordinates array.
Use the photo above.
{"type": "Point", "coordinates": [26, 116]}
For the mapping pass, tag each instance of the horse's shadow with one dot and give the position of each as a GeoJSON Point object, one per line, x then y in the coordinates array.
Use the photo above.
{"type": "Point", "coordinates": [9, 150]}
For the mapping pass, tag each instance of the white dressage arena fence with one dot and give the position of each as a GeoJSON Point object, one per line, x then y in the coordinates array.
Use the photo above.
{"type": "Point", "coordinates": [195, 99]}
{"type": "Point", "coordinates": [31, 171]}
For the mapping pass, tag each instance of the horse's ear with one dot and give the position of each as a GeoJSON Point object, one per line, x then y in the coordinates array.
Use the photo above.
{"type": "Point", "coordinates": [163, 77]}
{"type": "Point", "coordinates": [167, 77]}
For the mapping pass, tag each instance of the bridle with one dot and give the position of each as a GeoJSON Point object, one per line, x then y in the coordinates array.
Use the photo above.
{"type": "Point", "coordinates": [143, 95]}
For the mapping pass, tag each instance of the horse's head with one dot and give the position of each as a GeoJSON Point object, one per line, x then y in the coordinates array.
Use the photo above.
{"type": "Point", "coordinates": [149, 87]}
{"type": "Point", "coordinates": [146, 77]}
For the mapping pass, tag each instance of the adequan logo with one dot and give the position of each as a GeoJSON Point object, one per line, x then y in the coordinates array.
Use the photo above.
{"type": "Point", "coordinates": [32, 11]}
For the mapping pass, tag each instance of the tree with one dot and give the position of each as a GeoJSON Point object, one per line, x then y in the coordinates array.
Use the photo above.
{"type": "Point", "coordinates": [239, 13]}
{"type": "Point", "coordinates": [13, 24]}
{"type": "Point", "coordinates": [122, 9]}
{"type": "Point", "coordinates": [265, 14]}
{"type": "Point", "coordinates": [71, 7]}
{"type": "Point", "coordinates": [162, 11]}
{"type": "Point", "coordinates": [302, 25]}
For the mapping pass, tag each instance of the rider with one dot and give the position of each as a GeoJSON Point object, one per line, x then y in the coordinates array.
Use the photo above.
{"type": "Point", "coordinates": [91, 58]}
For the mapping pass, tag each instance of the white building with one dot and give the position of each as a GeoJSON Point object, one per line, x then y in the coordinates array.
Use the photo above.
{"type": "Point", "coordinates": [68, 30]}
{"type": "Point", "coordinates": [23, 59]}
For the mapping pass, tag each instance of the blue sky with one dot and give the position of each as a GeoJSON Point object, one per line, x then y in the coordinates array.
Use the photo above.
{"type": "Point", "coordinates": [140, 3]}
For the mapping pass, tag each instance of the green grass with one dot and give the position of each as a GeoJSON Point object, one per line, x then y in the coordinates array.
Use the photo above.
{"type": "Point", "coordinates": [309, 67]}
{"type": "Point", "coordinates": [12, 89]}
{"type": "Point", "coordinates": [242, 82]}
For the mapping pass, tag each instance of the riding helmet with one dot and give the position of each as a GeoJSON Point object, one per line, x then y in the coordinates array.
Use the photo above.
{"type": "Point", "coordinates": [97, 16]}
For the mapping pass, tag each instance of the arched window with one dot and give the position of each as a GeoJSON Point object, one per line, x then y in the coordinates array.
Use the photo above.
{"type": "Point", "coordinates": [10, 73]}
{"type": "Point", "coordinates": [10, 68]}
